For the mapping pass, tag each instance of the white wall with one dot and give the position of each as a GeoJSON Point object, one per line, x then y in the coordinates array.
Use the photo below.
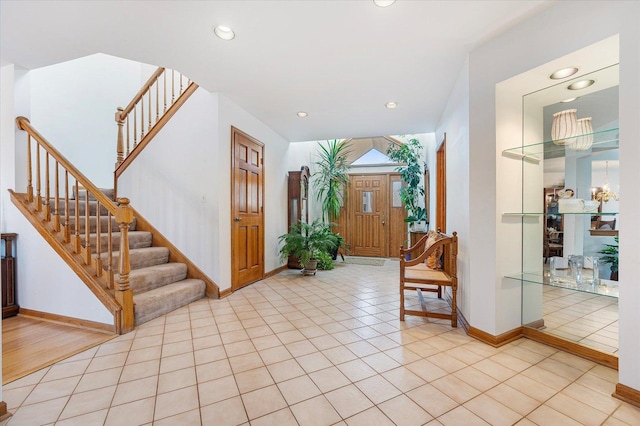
{"type": "Point", "coordinates": [629, 304]}
{"type": "Point", "coordinates": [174, 181]}
{"type": "Point", "coordinates": [7, 149]}
{"type": "Point", "coordinates": [181, 183]}
{"type": "Point", "coordinates": [455, 123]}
{"type": "Point", "coordinates": [540, 40]}
{"type": "Point", "coordinates": [55, 289]}
{"type": "Point", "coordinates": [73, 105]}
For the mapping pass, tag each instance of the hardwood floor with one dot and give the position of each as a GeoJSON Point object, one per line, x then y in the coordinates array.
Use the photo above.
{"type": "Point", "coordinates": [29, 344]}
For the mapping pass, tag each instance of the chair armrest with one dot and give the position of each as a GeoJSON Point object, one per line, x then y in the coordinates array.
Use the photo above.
{"type": "Point", "coordinates": [413, 248]}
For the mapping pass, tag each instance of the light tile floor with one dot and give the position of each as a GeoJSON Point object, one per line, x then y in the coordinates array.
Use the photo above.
{"type": "Point", "coordinates": [322, 350]}
{"type": "Point", "coordinates": [590, 319]}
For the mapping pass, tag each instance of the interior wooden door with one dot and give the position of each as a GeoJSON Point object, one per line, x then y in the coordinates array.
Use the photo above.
{"type": "Point", "coordinates": [247, 216]}
{"type": "Point", "coordinates": [367, 225]}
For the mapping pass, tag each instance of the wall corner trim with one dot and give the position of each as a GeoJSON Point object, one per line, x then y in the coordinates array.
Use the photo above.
{"type": "Point", "coordinates": [496, 341]}
{"type": "Point", "coordinates": [4, 414]}
{"type": "Point", "coordinates": [627, 394]}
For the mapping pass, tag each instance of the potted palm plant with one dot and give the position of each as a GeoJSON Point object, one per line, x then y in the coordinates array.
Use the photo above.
{"type": "Point", "coordinates": [411, 172]}
{"type": "Point", "coordinates": [610, 252]}
{"type": "Point", "coordinates": [307, 241]}
{"type": "Point", "coordinates": [331, 177]}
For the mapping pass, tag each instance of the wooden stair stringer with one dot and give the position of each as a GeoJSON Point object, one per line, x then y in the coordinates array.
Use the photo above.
{"type": "Point", "coordinates": [175, 255]}
{"type": "Point", "coordinates": [87, 273]}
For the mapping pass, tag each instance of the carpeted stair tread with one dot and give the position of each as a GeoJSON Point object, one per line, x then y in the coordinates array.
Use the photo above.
{"type": "Point", "coordinates": [81, 207]}
{"type": "Point", "coordinates": [137, 239]}
{"type": "Point", "coordinates": [154, 303]}
{"type": "Point", "coordinates": [151, 277]}
{"type": "Point", "coordinates": [142, 257]}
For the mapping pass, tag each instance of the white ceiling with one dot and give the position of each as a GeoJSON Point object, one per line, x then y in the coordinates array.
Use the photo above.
{"type": "Point", "coordinates": [340, 61]}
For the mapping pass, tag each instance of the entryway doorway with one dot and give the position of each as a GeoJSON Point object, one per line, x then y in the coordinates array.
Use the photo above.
{"type": "Point", "coordinates": [372, 219]}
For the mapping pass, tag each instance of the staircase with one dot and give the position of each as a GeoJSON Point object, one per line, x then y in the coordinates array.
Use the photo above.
{"type": "Point", "coordinates": [135, 272]}
{"type": "Point", "coordinates": [159, 286]}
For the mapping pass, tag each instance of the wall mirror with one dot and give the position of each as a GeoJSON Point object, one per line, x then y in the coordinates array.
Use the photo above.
{"type": "Point", "coordinates": [570, 197]}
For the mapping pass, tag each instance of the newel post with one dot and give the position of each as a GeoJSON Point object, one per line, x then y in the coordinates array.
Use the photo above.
{"type": "Point", "coordinates": [124, 294]}
{"type": "Point", "coordinates": [120, 144]}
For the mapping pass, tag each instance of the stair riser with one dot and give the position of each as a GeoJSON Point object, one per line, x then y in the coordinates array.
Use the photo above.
{"type": "Point", "coordinates": [136, 240]}
{"type": "Point", "coordinates": [83, 194]}
{"type": "Point", "coordinates": [152, 304]}
{"type": "Point", "coordinates": [82, 208]}
{"type": "Point", "coordinates": [93, 220]}
{"type": "Point", "coordinates": [140, 258]}
{"type": "Point", "coordinates": [150, 278]}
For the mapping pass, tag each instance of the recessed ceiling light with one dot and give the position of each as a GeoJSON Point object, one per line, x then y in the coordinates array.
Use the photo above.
{"type": "Point", "coordinates": [302, 114]}
{"type": "Point", "coordinates": [224, 33]}
{"type": "Point", "coordinates": [384, 3]}
{"type": "Point", "coordinates": [580, 84]}
{"type": "Point", "coordinates": [569, 100]}
{"type": "Point", "coordinates": [391, 105]}
{"type": "Point", "coordinates": [563, 73]}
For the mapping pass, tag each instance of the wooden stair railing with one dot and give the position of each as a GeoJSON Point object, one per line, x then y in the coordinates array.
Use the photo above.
{"type": "Point", "coordinates": [51, 213]}
{"type": "Point", "coordinates": [149, 110]}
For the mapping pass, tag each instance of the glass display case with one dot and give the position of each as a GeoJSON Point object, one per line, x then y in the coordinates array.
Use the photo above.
{"type": "Point", "coordinates": [570, 213]}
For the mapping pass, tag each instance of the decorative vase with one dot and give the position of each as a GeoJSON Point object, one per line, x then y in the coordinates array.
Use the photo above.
{"type": "Point", "coordinates": [585, 135]}
{"type": "Point", "coordinates": [565, 125]}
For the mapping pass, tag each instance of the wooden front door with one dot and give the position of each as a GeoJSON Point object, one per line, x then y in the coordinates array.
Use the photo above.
{"type": "Point", "coordinates": [368, 198]}
{"type": "Point", "coordinates": [247, 216]}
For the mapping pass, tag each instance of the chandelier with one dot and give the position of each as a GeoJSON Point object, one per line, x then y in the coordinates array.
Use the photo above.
{"type": "Point", "coordinates": [606, 194]}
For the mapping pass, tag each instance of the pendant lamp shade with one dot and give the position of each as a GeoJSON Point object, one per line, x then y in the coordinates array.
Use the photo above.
{"type": "Point", "coordinates": [584, 140]}
{"type": "Point", "coordinates": [565, 125]}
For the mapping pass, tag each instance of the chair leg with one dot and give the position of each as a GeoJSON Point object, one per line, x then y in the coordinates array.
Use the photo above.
{"type": "Point", "coordinates": [401, 301]}
{"type": "Point", "coordinates": [454, 305]}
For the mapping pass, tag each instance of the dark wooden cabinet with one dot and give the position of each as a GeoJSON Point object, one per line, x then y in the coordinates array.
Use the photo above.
{"type": "Point", "coordinates": [9, 303]}
{"type": "Point", "coordinates": [298, 192]}
{"type": "Point", "coordinates": [298, 208]}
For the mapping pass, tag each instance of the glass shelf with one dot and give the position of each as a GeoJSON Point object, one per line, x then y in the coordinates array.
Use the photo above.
{"type": "Point", "coordinates": [603, 287]}
{"type": "Point", "coordinates": [603, 140]}
{"type": "Point", "coordinates": [560, 214]}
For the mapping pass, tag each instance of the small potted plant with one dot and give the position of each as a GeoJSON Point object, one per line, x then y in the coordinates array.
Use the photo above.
{"type": "Point", "coordinates": [306, 242]}
{"type": "Point", "coordinates": [610, 252]}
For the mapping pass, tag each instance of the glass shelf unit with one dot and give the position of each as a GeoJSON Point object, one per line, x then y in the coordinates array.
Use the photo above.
{"type": "Point", "coordinates": [602, 141]}
{"type": "Point", "coordinates": [603, 287]}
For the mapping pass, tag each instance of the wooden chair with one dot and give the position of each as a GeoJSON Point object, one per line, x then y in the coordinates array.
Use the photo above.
{"type": "Point", "coordinates": [552, 247]}
{"type": "Point", "coordinates": [415, 274]}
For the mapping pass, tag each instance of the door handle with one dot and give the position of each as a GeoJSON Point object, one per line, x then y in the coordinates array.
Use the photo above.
{"type": "Point", "coordinates": [237, 219]}
{"type": "Point", "coordinates": [383, 220]}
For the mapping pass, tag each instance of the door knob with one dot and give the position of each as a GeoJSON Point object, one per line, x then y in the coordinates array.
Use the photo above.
{"type": "Point", "coordinates": [383, 220]}
{"type": "Point", "coordinates": [237, 219]}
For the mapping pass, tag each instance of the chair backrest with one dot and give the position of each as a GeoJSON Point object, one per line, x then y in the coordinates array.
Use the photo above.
{"type": "Point", "coordinates": [606, 224]}
{"type": "Point", "coordinates": [450, 255]}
